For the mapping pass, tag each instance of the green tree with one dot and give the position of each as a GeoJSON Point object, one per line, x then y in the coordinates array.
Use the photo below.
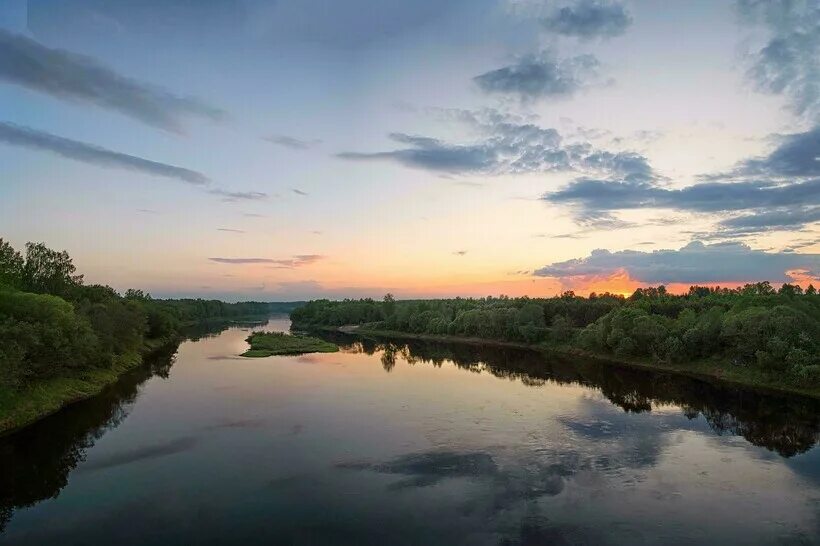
{"type": "Point", "coordinates": [47, 271]}
{"type": "Point", "coordinates": [11, 265]}
{"type": "Point", "coordinates": [561, 328]}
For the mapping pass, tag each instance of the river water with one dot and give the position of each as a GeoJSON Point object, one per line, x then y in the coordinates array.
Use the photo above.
{"type": "Point", "coordinates": [391, 442]}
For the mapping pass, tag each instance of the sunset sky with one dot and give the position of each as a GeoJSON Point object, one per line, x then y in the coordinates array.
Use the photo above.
{"type": "Point", "coordinates": [290, 149]}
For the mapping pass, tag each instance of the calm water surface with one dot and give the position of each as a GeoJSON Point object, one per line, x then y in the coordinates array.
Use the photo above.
{"type": "Point", "coordinates": [389, 443]}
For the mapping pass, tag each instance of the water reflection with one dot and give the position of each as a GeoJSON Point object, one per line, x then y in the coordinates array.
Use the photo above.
{"type": "Point", "coordinates": [329, 448]}
{"type": "Point", "coordinates": [35, 462]}
{"type": "Point", "coordinates": [212, 328]}
{"type": "Point", "coordinates": [786, 424]}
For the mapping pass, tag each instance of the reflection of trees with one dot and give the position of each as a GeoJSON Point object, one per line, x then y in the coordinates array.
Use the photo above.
{"type": "Point", "coordinates": [214, 327]}
{"type": "Point", "coordinates": [36, 461]}
{"type": "Point", "coordinates": [388, 358]}
{"type": "Point", "coordinates": [783, 423]}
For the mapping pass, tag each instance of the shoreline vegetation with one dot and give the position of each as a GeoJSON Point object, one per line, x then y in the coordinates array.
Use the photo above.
{"type": "Point", "coordinates": [278, 344]}
{"type": "Point", "coordinates": [709, 370]}
{"type": "Point", "coordinates": [754, 336]}
{"type": "Point", "coordinates": [62, 341]}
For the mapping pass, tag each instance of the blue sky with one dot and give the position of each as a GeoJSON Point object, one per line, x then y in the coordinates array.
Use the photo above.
{"type": "Point", "coordinates": [290, 149]}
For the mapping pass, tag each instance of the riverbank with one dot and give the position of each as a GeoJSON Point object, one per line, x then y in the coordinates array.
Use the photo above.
{"type": "Point", "coordinates": [712, 369]}
{"type": "Point", "coordinates": [20, 408]}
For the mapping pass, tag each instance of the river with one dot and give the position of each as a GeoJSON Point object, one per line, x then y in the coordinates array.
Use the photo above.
{"type": "Point", "coordinates": [392, 442]}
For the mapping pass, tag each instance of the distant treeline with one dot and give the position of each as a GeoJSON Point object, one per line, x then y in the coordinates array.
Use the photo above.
{"type": "Point", "coordinates": [52, 324]}
{"type": "Point", "coordinates": [752, 326]}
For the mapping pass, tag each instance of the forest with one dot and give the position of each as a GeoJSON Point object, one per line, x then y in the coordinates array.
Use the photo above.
{"type": "Point", "coordinates": [53, 325]}
{"type": "Point", "coordinates": [754, 327]}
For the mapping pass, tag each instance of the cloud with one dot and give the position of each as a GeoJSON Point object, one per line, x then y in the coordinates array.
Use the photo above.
{"type": "Point", "coordinates": [460, 253]}
{"type": "Point", "coordinates": [229, 230]}
{"type": "Point", "coordinates": [140, 454]}
{"type": "Point", "coordinates": [292, 143]}
{"type": "Point", "coordinates": [542, 76]}
{"type": "Point", "coordinates": [789, 62]}
{"type": "Point", "coordinates": [236, 261]}
{"type": "Point", "coordinates": [587, 19]}
{"type": "Point", "coordinates": [771, 220]}
{"type": "Point", "coordinates": [780, 189]}
{"type": "Point", "coordinates": [299, 260]}
{"type": "Point", "coordinates": [239, 195]}
{"type": "Point", "coordinates": [299, 192]}
{"type": "Point", "coordinates": [506, 146]}
{"type": "Point", "coordinates": [435, 155]}
{"type": "Point", "coordinates": [328, 24]}
{"type": "Point", "coordinates": [693, 263]}
{"type": "Point", "coordinates": [796, 155]}
{"type": "Point", "coordinates": [607, 195]}
{"type": "Point", "coordinates": [74, 77]}
{"type": "Point", "coordinates": [89, 153]}
{"type": "Point", "coordinates": [600, 220]}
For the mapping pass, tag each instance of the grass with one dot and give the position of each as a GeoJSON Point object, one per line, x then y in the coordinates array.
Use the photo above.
{"type": "Point", "coordinates": [276, 343]}
{"type": "Point", "coordinates": [19, 408]}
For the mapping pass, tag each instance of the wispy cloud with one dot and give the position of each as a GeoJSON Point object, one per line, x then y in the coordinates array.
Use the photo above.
{"type": "Point", "coordinates": [238, 261]}
{"type": "Point", "coordinates": [228, 195]}
{"type": "Point", "coordinates": [299, 260]}
{"type": "Point", "coordinates": [789, 63]}
{"type": "Point", "coordinates": [292, 143]}
{"type": "Point", "coordinates": [230, 230]}
{"type": "Point", "coordinates": [770, 220]}
{"type": "Point", "coordinates": [587, 19]}
{"type": "Point", "coordinates": [541, 76]}
{"type": "Point", "coordinates": [607, 195]}
{"type": "Point", "coordinates": [298, 191]}
{"type": "Point", "coordinates": [507, 146]}
{"type": "Point", "coordinates": [460, 253]}
{"type": "Point", "coordinates": [74, 77]}
{"type": "Point", "coordinates": [693, 263]}
{"type": "Point", "coordinates": [26, 137]}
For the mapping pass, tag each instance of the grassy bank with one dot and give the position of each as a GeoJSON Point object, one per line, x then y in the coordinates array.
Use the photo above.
{"type": "Point", "coordinates": [276, 343]}
{"type": "Point", "coordinates": [713, 369]}
{"type": "Point", "coordinates": [20, 408]}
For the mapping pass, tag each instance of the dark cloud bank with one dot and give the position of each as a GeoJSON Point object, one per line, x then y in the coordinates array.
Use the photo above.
{"type": "Point", "coordinates": [776, 191]}
{"type": "Point", "coordinates": [694, 263]}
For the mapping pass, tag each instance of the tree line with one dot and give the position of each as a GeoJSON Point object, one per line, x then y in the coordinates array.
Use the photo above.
{"type": "Point", "coordinates": [53, 324]}
{"type": "Point", "coordinates": [754, 326]}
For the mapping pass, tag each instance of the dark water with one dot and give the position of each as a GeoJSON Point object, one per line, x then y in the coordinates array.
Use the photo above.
{"type": "Point", "coordinates": [387, 443]}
